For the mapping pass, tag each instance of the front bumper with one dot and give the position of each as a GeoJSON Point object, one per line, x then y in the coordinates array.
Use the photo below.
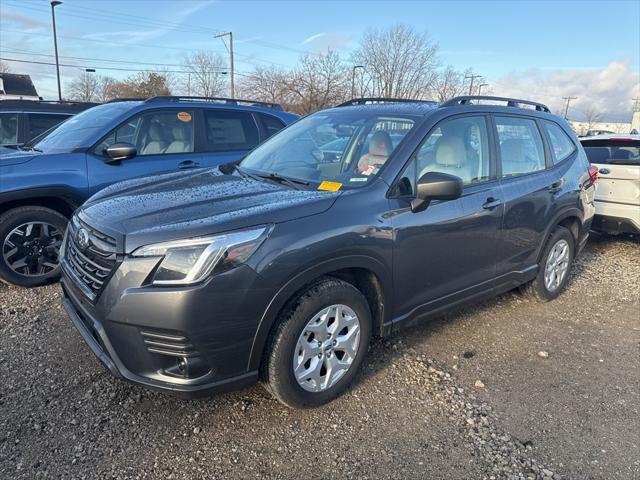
{"type": "Point", "coordinates": [217, 322]}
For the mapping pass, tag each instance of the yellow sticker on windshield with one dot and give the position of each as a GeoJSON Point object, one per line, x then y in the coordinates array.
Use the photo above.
{"type": "Point", "coordinates": [330, 186]}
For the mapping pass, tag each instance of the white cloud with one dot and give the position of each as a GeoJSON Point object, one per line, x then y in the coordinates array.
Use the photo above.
{"type": "Point", "coordinates": [609, 90]}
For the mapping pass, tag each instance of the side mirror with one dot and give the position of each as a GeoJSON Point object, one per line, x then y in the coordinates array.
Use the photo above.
{"type": "Point", "coordinates": [436, 186]}
{"type": "Point", "coordinates": [119, 151]}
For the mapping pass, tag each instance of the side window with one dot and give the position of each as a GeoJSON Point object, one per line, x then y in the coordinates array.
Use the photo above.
{"type": "Point", "coordinates": [561, 145]}
{"type": "Point", "coordinates": [39, 123]}
{"type": "Point", "coordinates": [155, 133]}
{"type": "Point", "coordinates": [229, 131]}
{"type": "Point", "coordinates": [8, 128]}
{"type": "Point", "coordinates": [521, 147]}
{"type": "Point", "coordinates": [458, 147]}
{"type": "Point", "coordinates": [270, 124]}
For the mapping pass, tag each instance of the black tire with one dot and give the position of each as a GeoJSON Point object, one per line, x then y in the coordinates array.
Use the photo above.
{"type": "Point", "coordinates": [277, 366]}
{"type": "Point", "coordinates": [13, 219]}
{"type": "Point", "coordinates": [537, 288]}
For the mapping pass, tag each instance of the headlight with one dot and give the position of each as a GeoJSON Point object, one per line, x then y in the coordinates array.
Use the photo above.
{"type": "Point", "coordinates": [191, 260]}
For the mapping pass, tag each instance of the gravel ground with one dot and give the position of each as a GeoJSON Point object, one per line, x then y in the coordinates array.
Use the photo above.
{"type": "Point", "coordinates": [508, 389]}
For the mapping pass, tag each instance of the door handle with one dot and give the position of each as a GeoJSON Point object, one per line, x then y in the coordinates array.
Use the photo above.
{"type": "Point", "coordinates": [555, 187]}
{"type": "Point", "coordinates": [491, 203]}
{"type": "Point", "coordinates": [604, 171]}
{"type": "Point", "coordinates": [188, 164]}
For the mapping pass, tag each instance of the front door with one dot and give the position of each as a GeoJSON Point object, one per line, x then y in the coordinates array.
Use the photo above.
{"type": "Point", "coordinates": [448, 251]}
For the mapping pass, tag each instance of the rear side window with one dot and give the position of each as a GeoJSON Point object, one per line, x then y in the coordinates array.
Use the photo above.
{"type": "Point", "coordinates": [228, 131]}
{"type": "Point", "coordinates": [41, 122]}
{"type": "Point", "coordinates": [613, 151]}
{"type": "Point", "coordinates": [8, 128]}
{"type": "Point", "coordinates": [521, 147]}
{"type": "Point", "coordinates": [270, 124]}
{"type": "Point", "coordinates": [561, 145]}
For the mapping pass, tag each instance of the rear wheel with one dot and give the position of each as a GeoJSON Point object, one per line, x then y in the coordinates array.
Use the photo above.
{"type": "Point", "coordinates": [319, 345]}
{"type": "Point", "coordinates": [555, 265]}
{"type": "Point", "coordinates": [30, 241]}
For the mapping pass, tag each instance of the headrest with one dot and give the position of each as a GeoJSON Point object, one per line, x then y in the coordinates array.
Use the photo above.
{"type": "Point", "coordinates": [450, 151]}
{"type": "Point", "coordinates": [380, 144]}
{"type": "Point", "coordinates": [179, 133]}
{"type": "Point", "coordinates": [155, 132]}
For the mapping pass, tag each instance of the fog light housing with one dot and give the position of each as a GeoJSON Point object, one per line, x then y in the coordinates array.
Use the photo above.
{"type": "Point", "coordinates": [187, 368]}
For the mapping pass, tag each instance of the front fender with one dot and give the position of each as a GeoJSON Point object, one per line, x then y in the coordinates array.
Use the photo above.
{"type": "Point", "coordinates": [307, 276]}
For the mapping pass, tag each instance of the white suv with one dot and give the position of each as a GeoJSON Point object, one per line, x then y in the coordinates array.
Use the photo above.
{"type": "Point", "coordinates": [618, 192]}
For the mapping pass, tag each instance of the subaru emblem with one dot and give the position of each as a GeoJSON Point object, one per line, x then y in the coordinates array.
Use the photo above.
{"type": "Point", "coordinates": [82, 237]}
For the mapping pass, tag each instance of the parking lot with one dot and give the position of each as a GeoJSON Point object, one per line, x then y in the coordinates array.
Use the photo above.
{"type": "Point", "coordinates": [507, 389]}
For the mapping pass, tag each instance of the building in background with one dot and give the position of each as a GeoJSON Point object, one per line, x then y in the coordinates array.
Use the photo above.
{"type": "Point", "coordinates": [14, 86]}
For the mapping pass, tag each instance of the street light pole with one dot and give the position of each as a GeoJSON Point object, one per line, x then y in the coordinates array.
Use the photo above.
{"type": "Point", "coordinates": [353, 80]}
{"type": "Point", "coordinates": [54, 4]}
{"type": "Point", "coordinates": [230, 34]}
{"type": "Point", "coordinates": [480, 88]}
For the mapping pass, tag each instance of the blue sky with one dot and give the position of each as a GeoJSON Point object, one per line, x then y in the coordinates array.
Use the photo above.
{"type": "Point", "coordinates": [509, 42]}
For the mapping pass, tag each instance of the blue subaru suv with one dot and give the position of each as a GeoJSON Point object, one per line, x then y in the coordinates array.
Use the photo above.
{"type": "Point", "coordinates": [42, 184]}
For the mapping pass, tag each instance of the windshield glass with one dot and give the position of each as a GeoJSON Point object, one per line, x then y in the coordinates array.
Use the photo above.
{"type": "Point", "coordinates": [77, 130]}
{"type": "Point", "coordinates": [613, 151]}
{"type": "Point", "coordinates": [346, 147]}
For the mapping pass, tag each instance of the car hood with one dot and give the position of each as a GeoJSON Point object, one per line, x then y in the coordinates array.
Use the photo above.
{"type": "Point", "coordinates": [11, 156]}
{"type": "Point", "coordinates": [200, 202]}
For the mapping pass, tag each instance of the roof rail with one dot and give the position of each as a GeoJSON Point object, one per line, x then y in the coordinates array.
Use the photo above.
{"type": "Point", "coordinates": [231, 101]}
{"type": "Point", "coordinates": [127, 99]}
{"type": "Point", "coordinates": [45, 102]}
{"type": "Point", "coordinates": [365, 100]}
{"type": "Point", "coordinates": [511, 102]}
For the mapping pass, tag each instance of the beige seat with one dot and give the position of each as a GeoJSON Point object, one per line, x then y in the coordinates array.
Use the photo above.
{"type": "Point", "coordinates": [156, 143]}
{"type": "Point", "coordinates": [380, 147]}
{"type": "Point", "coordinates": [181, 141]}
{"type": "Point", "coordinates": [451, 158]}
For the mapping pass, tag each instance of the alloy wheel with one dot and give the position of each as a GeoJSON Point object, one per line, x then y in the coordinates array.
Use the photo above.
{"type": "Point", "coordinates": [557, 265]}
{"type": "Point", "coordinates": [326, 348]}
{"type": "Point", "coordinates": [32, 249]}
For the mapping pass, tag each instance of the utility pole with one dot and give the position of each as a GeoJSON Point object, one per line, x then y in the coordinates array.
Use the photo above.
{"type": "Point", "coordinates": [230, 34]}
{"type": "Point", "coordinates": [472, 77]}
{"type": "Point", "coordinates": [353, 80]}
{"type": "Point", "coordinates": [636, 104]}
{"type": "Point", "coordinates": [54, 4]}
{"type": "Point", "coordinates": [480, 88]}
{"type": "Point", "coordinates": [566, 107]}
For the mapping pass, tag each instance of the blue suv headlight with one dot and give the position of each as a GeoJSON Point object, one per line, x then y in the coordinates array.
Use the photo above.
{"type": "Point", "coordinates": [191, 260]}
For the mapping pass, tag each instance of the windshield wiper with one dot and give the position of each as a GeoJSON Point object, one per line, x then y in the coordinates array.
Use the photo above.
{"type": "Point", "coordinates": [291, 181]}
{"type": "Point", "coordinates": [29, 148]}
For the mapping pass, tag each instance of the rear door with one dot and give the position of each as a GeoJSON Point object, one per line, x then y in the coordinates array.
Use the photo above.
{"type": "Point", "coordinates": [528, 189]}
{"type": "Point", "coordinates": [228, 135]}
{"type": "Point", "coordinates": [618, 162]}
{"type": "Point", "coordinates": [164, 139]}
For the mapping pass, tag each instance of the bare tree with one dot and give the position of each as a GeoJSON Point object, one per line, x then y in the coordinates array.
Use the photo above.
{"type": "Point", "coordinates": [84, 88]}
{"type": "Point", "coordinates": [592, 116]}
{"type": "Point", "coordinates": [205, 75]}
{"type": "Point", "coordinates": [4, 67]}
{"type": "Point", "coordinates": [319, 81]}
{"type": "Point", "coordinates": [448, 83]}
{"type": "Point", "coordinates": [267, 84]}
{"type": "Point", "coordinates": [399, 61]}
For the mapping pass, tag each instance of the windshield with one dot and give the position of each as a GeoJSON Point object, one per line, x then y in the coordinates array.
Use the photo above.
{"type": "Point", "coordinates": [613, 151]}
{"type": "Point", "coordinates": [343, 149]}
{"type": "Point", "coordinates": [77, 130]}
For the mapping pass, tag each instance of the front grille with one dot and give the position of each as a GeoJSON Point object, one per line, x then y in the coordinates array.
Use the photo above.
{"type": "Point", "coordinates": [93, 264]}
{"type": "Point", "coordinates": [168, 344]}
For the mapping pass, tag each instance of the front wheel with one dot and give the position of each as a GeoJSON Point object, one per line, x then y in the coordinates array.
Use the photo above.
{"type": "Point", "coordinates": [553, 274]}
{"type": "Point", "coordinates": [319, 345]}
{"type": "Point", "coordinates": [30, 241]}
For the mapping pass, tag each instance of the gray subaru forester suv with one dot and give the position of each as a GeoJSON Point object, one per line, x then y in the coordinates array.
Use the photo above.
{"type": "Point", "coordinates": [281, 267]}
